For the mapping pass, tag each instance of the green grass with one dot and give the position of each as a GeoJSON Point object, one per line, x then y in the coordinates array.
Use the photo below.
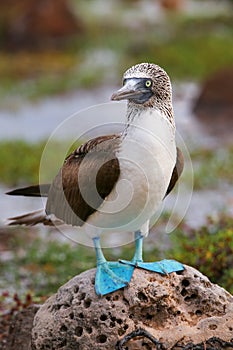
{"type": "Point", "coordinates": [212, 167]}
{"type": "Point", "coordinates": [49, 266]}
{"type": "Point", "coordinates": [42, 265]}
{"type": "Point", "coordinates": [208, 249]}
{"type": "Point", "coordinates": [20, 161]}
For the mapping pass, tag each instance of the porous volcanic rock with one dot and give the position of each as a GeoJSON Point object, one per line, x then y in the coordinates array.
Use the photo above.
{"type": "Point", "coordinates": [177, 309]}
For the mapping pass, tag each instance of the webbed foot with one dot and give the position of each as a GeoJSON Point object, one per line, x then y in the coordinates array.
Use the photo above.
{"type": "Point", "coordinates": [111, 276]}
{"type": "Point", "coordinates": [164, 266]}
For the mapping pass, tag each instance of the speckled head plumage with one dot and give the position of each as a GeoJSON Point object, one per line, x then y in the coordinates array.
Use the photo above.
{"type": "Point", "coordinates": [161, 81]}
{"type": "Point", "coordinates": [147, 85]}
{"type": "Point", "coordinates": [144, 70]}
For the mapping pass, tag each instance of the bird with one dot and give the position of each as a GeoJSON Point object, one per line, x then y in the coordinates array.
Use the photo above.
{"type": "Point", "coordinates": [116, 182]}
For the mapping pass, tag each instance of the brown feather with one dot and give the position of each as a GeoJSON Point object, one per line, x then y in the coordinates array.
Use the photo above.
{"type": "Point", "coordinates": [179, 166]}
{"type": "Point", "coordinates": [65, 200]}
{"type": "Point", "coordinates": [85, 180]}
{"type": "Point", "coordinates": [33, 218]}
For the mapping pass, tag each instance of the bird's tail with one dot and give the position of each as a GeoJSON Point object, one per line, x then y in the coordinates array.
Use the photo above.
{"type": "Point", "coordinates": [31, 219]}
{"type": "Point", "coordinates": [31, 191]}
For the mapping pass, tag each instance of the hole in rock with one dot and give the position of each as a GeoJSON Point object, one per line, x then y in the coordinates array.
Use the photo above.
{"type": "Point", "coordinates": [149, 316]}
{"type": "Point", "coordinates": [213, 327]}
{"type": "Point", "coordinates": [56, 307]}
{"type": "Point", "coordinates": [87, 303]}
{"type": "Point", "coordinates": [63, 328]}
{"type": "Point", "coordinates": [185, 282]}
{"type": "Point", "coordinates": [119, 321]}
{"type": "Point", "coordinates": [183, 292]}
{"type": "Point", "coordinates": [82, 296]}
{"type": "Point", "coordinates": [89, 330]}
{"type": "Point", "coordinates": [193, 296]}
{"type": "Point", "coordinates": [79, 331]}
{"type": "Point", "coordinates": [190, 297]}
{"type": "Point", "coordinates": [142, 296]}
{"type": "Point", "coordinates": [102, 338]}
{"type": "Point", "coordinates": [198, 312]}
{"type": "Point", "coordinates": [103, 317]}
{"type": "Point", "coordinates": [76, 289]}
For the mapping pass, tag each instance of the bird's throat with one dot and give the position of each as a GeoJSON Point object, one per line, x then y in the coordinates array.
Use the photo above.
{"type": "Point", "coordinates": [147, 123]}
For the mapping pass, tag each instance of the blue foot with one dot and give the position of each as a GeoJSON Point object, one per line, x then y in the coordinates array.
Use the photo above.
{"type": "Point", "coordinates": [111, 276]}
{"type": "Point", "coordinates": [164, 266]}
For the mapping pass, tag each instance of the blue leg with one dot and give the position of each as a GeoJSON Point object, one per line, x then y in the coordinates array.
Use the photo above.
{"type": "Point", "coordinates": [110, 276]}
{"type": "Point", "coordinates": [164, 266]}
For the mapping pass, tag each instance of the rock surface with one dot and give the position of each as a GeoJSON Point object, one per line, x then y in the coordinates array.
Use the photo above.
{"type": "Point", "coordinates": [177, 309]}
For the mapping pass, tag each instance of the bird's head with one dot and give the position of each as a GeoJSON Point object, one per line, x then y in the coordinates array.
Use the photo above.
{"type": "Point", "coordinates": [146, 85]}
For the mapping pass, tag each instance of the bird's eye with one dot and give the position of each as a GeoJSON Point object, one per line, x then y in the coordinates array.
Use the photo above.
{"type": "Point", "coordinates": [148, 83]}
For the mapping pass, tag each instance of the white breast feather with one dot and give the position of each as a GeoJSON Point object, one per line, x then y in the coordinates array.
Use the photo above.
{"type": "Point", "coordinates": [147, 158]}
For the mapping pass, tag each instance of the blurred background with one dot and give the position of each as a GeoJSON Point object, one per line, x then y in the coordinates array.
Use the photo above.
{"type": "Point", "coordinates": [60, 56]}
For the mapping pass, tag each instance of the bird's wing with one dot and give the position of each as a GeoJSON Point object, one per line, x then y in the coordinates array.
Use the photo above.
{"type": "Point", "coordinates": [179, 166]}
{"type": "Point", "coordinates": [85, 180]}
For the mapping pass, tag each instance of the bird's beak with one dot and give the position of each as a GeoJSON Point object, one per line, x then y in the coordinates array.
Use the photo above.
{"type": "Point", "coordinates": [129, 91]}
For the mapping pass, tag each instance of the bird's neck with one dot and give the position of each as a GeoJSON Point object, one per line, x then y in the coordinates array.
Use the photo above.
{"type": "Point", "coordinates": [147, 118]}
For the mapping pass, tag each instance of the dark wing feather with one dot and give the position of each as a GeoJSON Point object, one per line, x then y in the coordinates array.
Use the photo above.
{"type": "Point", "coordinates": [31, 191]}
{"type": "Point", "coordinates": [85, 180]}
{"type": "Point", "coordinates": [179, 166]}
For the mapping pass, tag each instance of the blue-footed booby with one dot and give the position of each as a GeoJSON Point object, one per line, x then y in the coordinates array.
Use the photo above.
{"type": "Point", "coordinates": [115, 183]}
